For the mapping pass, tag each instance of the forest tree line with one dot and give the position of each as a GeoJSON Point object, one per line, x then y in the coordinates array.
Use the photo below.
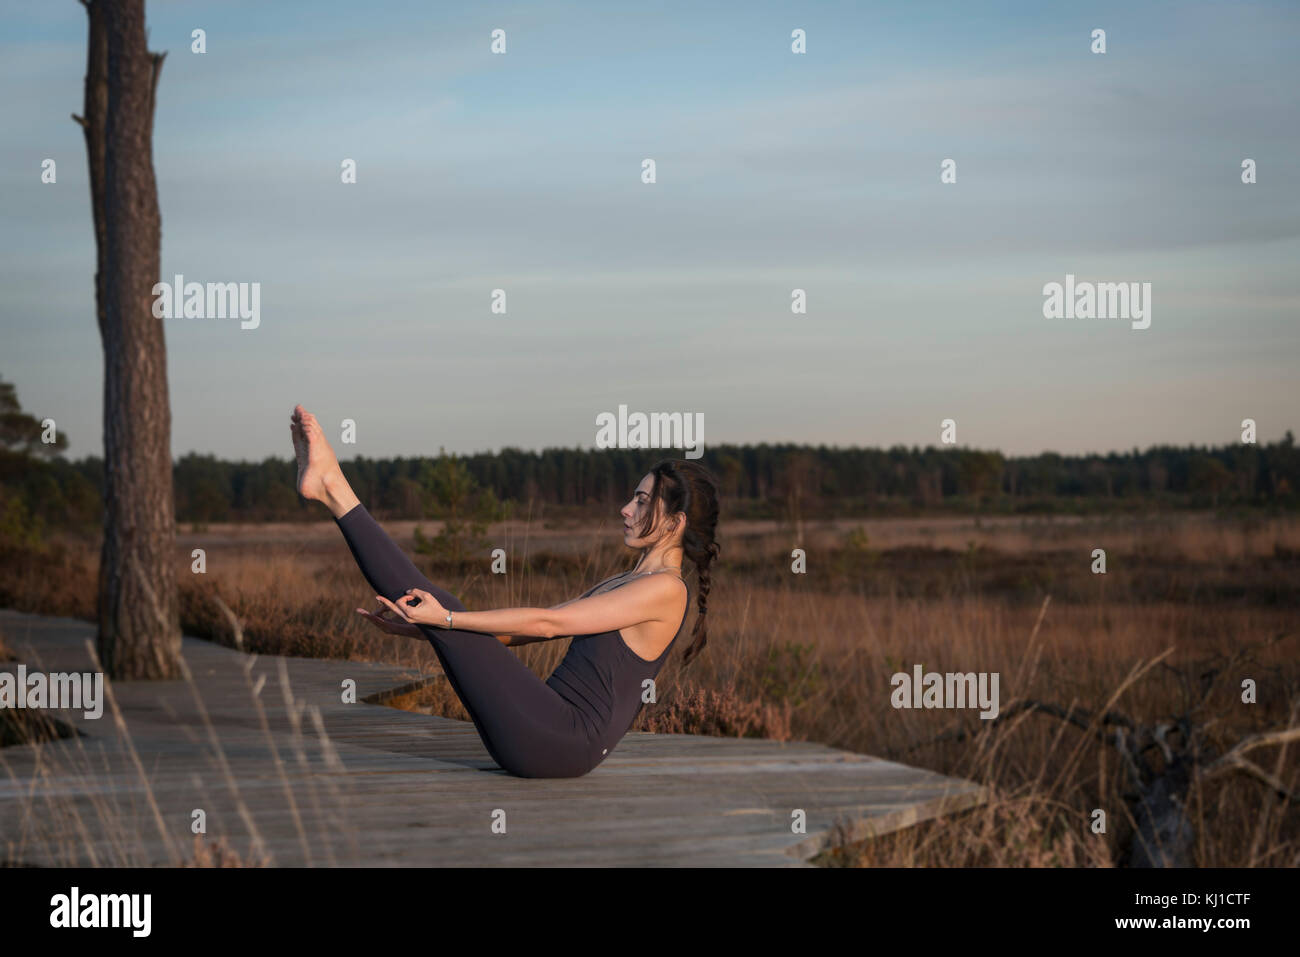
{"type": "Point", "coordinates": [783, 481]}
{"type": "Point", "coordinates": [40, 488]}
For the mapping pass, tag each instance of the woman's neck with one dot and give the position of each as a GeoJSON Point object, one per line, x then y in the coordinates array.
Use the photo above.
{"type": "Point", "coordinates": [658, 559]}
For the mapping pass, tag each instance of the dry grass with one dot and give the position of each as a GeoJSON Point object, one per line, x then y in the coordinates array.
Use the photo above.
{"type": "Point", "coordinates": [810, 657]}
{"type": "Point", "coordinates": [55, 827]}
{"type": "Point", "coordinates": [218, 853]}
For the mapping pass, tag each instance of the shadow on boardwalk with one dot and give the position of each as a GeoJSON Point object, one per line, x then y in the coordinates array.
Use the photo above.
{"type": "Point", "coordinates": [288, 773]}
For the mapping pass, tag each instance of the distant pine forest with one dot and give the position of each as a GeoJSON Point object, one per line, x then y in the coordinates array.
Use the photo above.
{"type": "Point", "coordinates": [41, 490]}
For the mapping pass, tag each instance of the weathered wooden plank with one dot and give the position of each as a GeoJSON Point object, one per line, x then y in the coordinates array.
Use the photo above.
{"type": "Point", "coordinates": [388, 787]}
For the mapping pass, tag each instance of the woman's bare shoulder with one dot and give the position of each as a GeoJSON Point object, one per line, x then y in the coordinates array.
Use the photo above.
{"type": "Point", "coordinates": [663, 587]}
{"type": "Point", "coordinates": [586, 594]}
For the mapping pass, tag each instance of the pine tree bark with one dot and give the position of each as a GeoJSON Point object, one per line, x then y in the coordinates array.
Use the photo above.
{"type": "Point", "coordinates": [139, 628]}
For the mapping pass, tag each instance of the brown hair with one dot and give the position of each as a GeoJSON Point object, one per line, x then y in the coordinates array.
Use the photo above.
{"type": "Point", "coordinates": [686, 486]}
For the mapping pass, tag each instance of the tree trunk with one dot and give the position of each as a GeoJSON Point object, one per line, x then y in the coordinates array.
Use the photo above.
{"type": "Point", "coordinates": [139, 630]}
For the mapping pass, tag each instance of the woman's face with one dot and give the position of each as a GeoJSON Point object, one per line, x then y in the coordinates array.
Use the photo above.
{"type": "Point", "coordinates": [634, 513]}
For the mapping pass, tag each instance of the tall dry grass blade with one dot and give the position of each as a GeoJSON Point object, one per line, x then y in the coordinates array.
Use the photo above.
{"type": "Point", "coordinates": [1135, 674]}
{"type": "Point", "coordinates": [294, 712]}
{"type": "Point", "coordinates": [1266, 812]}
{"type": "Point", "coordinates": [120, 723]}
{"type": "Point", "coordinates": [259, 847]}
{"type": "Point", "coordinates": [255, 693]}
{"type": "Point", "coordinates": [1031, 649]}
{"type": "Point", "coordinates": [236, 626]}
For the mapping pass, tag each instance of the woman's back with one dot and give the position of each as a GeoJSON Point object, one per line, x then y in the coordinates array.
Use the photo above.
{"type": "Point", "coordinates": [604, 679]}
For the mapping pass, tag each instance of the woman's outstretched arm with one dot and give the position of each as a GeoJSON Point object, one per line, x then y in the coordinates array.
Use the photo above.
{"type": "Point", "coordinates": [400, 627]}
{"type": "Point", "coordinates": [648, 599]}
{"type": "Point", "coordinates": [516, 640]}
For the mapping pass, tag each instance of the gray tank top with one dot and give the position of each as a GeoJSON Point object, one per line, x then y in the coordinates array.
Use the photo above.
{"type": "Point", "coordinates": [602, 677]}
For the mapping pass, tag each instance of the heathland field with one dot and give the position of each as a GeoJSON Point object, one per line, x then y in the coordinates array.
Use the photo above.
{"type": "Point", "coordinates": [810, 656]}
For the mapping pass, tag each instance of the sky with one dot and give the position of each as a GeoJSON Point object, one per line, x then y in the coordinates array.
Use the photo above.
{"type": "Point", "coordinates": [775, 171]}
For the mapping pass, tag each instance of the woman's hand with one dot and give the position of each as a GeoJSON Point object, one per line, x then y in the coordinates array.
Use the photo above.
{"type": "Point", "coordinates": [390, 626]}
{"type": "Point", "coordinates": [418, 607]}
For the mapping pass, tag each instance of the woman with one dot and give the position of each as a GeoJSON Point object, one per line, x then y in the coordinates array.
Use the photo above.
{"type": "Point", "coordinates": [622, 627]}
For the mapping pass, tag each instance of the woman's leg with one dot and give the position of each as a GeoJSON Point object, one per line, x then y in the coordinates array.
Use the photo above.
{"type": "Point", "coordinates": [390, 573]}
{"type": "Point", "coordinates": [525, 725]}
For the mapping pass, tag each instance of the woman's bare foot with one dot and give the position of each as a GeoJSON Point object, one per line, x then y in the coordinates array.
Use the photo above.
{"type": "Point", "coordinates": [319, 477]}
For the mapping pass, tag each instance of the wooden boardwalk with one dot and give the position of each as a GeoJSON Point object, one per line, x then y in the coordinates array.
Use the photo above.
{"type": "Point", "coordinates": [298, 776]}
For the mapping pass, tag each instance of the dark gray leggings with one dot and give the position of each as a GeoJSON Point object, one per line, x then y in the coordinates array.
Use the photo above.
{"type": "Point", "coordinates": [527, 727]}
